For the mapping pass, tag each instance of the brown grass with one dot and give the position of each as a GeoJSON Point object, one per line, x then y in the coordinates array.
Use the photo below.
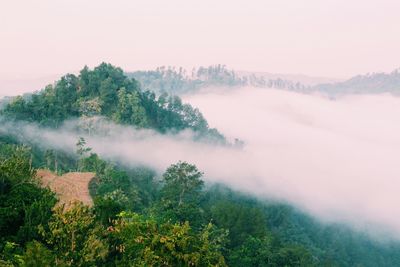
{"type": "Point", "coordinates": [69, 187]}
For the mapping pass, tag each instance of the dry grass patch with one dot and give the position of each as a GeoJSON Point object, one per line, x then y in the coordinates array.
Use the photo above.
{"type": "Point", "coordinates": [69, 187]}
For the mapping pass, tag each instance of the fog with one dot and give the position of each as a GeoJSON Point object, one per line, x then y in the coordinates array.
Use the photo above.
{"type": "Point", "coordinates": [337, 160]}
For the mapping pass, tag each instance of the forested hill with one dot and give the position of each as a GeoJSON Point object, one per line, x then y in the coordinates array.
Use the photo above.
{"type": "Point", "coordinates": [140, 217]}
{"type": "Point", "coordinates": [178, 81]}
{"type": "Point", "coordinates": [106, 91]}
{"type": "Point", "coordinates": [364, 84]}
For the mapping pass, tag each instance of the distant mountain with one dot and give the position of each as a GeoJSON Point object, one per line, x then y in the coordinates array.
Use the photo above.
{"type": "Point", "coordinates": [178, 80]}
{"type": "Point", "coordinates": [294, 78]}
{"type": "Point", "coordinates": [364, 84]}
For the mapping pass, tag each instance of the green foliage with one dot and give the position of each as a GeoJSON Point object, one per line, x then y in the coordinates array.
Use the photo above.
{"type": "Point", "coordinates": [235, 218]}
{"type": "Point", "coordinates": [37, 254]}
{"type": "Point", "coordinates": [170, 226]}
{"type": "Point", "coordinates": [10, 254]}
{"type": "Point", "coordinates": [114, 190]}
{"type": "Point", "coordinates": [106, 92]}
{"type": "Point", "coordinates": [181, 193]}
{"type": "Point", "coordinates": [144, 242]}
{"type": "Point", "coordinates": [129, 109]}
{"type": "Point", "coordinates": [82, 151]}
{"type": "Point", "coordinates": [23, 204]}
{"type": "Point", "coordinates": [253, 252]}
{"type": "Point", "coordinates": [265, 252]}
{"type": "Point", "coordinates": [76, 236]}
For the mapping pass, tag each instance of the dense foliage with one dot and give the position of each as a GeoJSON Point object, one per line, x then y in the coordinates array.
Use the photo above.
{"type": "Point", "coordinates": [141, 218]}
{"type": "Point", "coordinates": [126, 226]}
{"type": "Point", "coordinates": [105, 91]}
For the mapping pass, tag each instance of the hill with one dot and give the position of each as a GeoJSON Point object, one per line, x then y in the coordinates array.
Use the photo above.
{"type": "Point", "coordinates": [364, 84]}
{"type": "Point", "coordinates": [155, 214]}
{"type": "Point", "coordinates": [107, 92]}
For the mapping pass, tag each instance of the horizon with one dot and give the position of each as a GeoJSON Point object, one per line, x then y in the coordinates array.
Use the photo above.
{"type": "Point", "coordinates": [17, 85]}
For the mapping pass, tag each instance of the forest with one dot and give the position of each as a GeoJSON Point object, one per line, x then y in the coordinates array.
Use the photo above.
{"type": "Point", "coordinates": [140, 217]}
{"type": "Point", "coordinates": [178, 81]}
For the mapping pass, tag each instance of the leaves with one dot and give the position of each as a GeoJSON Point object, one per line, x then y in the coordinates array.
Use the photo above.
{"type": "Point", "coordinates": [145, 242]}
{"type": "Point", "coordinates": [181, 193]}
{"type": "Point", "coordinates": [75, 235]}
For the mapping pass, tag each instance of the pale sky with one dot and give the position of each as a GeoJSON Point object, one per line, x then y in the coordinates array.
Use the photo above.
{"type": "Point", "coordinates": [332, 38]}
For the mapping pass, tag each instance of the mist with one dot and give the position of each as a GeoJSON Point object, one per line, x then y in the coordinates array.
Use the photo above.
{"type": "Point", "coordinates": [334, 159]}
{"type": "Point", "coordinates": [337, 159]}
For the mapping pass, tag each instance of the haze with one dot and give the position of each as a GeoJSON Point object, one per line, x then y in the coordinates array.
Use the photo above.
{"type": "Point", "coordinates": [336, 160]}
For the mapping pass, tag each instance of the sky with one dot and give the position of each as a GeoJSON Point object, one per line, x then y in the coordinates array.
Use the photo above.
{"type": "Point", "coordinates": [330, 38]}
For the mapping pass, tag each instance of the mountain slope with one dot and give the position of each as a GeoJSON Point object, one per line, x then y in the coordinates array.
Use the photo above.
{"type": "Point", "coordinates": [278, 234]}
{"type": "Point", "coordinates": [106, 91]}
{"type": "Point", "coordinates": [364, 84]}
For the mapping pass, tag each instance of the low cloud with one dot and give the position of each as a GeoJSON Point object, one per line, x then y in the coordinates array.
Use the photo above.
{"type": "Point", "coordinates": [335, 159]}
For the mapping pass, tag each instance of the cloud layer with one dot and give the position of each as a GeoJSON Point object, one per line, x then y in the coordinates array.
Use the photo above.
{"type": "Point", "coordinates": [336, 159]}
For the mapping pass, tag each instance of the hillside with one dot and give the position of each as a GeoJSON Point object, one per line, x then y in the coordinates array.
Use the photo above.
{"type": "Point", "coordinates": [148, 209]}
{"type": "Point", "coordinates": [107, 92]}
{"type": "Point", "coordinates": [364, 84]}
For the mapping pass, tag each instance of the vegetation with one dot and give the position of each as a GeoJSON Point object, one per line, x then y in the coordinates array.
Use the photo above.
{"type": "Point", "coordinates": [106, 92]}
{"type": "Point", "coordinates": [177, 81]}
{"type": "Point", "coordinates": [372, 83]}
{"type": "Point", "coordinates": [140, 218]}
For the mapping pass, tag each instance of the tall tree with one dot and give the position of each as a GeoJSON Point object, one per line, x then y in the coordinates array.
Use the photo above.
{"type": "Point", "coordinates": [181, 193]}
{"type": "Point", "coordinates": [75, 236]}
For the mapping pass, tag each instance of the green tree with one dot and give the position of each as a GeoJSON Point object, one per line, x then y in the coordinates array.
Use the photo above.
{"type": "Point", "coordinates": [129, 109]}
{"type": "Point", "coordinates": [235, 218]}
{"type": "Point", "coordinates": [144, 242]}
{"type": "Point", "coordinates": [253, 252]}
{"type": "Point", "coordinates": [23, 203]}
{"type": "Point", "coordinates": [181, 193]}
{"type": "Point", "coordinates": [75, 236]}
{"type": "Point", "coordinates": [82, 150]}
{"type": "Point", "coordinates": [37, 254]}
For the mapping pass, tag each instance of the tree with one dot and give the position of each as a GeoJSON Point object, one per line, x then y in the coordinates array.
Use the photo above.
{"type": "Point", "coordinates": [253, 252]}
{"type": "Point", "coordinates": [75, 236]}
{"type": "Point", "coordinates": [145, 242]}
{"type": "Point", "coordinates": [37, 254]}
{"type": "Point", "coordinates": [23, 203]}
{"type": "Point", "coordinates": [129, 109]}
{"type": "Point", "coordinates": [181, 193]}
{"type": "Point", "coordinates": [235, 218]}
{"type": "Point", "coordinates": [90, 113]}
{"type": "Point", "coordinates": [82, 150]}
